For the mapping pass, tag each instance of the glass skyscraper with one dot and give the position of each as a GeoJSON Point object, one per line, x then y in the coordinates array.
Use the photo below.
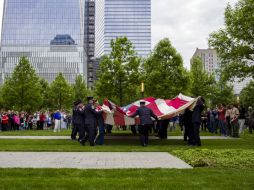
{"type": "Point", "coordinates": [130, 18]}
{"type": "Point", "coordinates": [49, 32]}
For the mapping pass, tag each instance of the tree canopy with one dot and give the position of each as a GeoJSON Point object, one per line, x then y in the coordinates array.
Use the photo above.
{"type": "Point", "coordinates": [80, 88]}
{"type": "Point", "coordinates": [235, 43]}
{"type": "Point", "coordinates": [163, 72]}
{"type": "Point", "coordinates": [22, 90]}
{"type": "Point", "coordinates": [61, 93]}
{"type": "Point", "coordinates": [246, 96]}
{"type": "Point", "coordinates": [119, 76]}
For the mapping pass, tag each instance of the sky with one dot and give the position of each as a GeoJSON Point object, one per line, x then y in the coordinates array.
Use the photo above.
{"type": "Point", "coordinates": [187, 23]}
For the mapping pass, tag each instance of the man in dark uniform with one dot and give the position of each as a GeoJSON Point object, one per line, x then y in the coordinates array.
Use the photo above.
{"type": "Point", "coordinates": [188, 127]}
{"type": "Point", "coordinates": [90, 122]}
{"type": "Point", "coordinates": [76, 119]}
{"type": "Point", "coordinates": [146, 122]}
{"type": "Point", "coordinates": [196, 121]}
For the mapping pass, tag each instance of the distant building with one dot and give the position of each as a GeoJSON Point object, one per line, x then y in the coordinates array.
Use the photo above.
{"type": "Point", "coordinates": [123, 18]}
{"type": "Point", "coordinates": [210, 61]}
{"type": "Point", "coordinates": [50, 33]}
{"type": "Point", "coordinates": [209, 58]}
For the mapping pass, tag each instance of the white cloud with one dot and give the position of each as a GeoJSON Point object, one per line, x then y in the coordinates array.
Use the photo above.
{"type": "Point", "coordinates": [187, 23]}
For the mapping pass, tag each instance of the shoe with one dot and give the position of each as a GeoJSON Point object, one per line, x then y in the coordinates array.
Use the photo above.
{"type": "Point", "coordinates": [82, 143]}
{"type": "Point", "coordinates": [92, 144]}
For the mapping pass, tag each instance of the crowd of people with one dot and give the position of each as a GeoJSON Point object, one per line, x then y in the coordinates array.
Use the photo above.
{"type": "Point", "coordinates": [86, 121]}
{"type": "Point", "coordinates": [12, 120]}
{"type": "Point", "coordinates": [230, 120]}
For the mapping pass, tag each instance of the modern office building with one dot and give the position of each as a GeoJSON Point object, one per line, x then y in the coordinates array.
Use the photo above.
{"type": "Point", "coordinates": [210, 60]}
{"type": "Point", "coordinates": [130, 18]}
{"type": "Point", "coordinates": [50, 33]}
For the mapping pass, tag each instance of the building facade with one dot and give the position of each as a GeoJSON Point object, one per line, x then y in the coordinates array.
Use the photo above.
{"type": "Point", "coordinates": [50, 33]}
{"type": "Point", "coordinates": [210, 61]}
{"type": "Point", "coordinates": [130, 18]}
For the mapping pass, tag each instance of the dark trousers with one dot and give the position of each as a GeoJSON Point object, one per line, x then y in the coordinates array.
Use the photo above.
{"type": "Point", "coordinates": [74, 131]}
{"type": "Point", "coordinates": [91, 133]}
{"type": "Point", "coordinates": [133, 129]}
{"type": "Point", "coordinates": [109, 128]}
{"type": "Point", "coordinates": [187, 132]}
{"type": "Point", "coordinates": [82, 133]}
{"type": "Point", "coordinates": [190, 134]}
{"type": "Point", "coordinates": [144, 132]}
{"type": "Point", "coordinates": [4, 127]}
{"type": "Point", "coordinates": [100, 139]}
{"type": "Point", "coordinates": [196, 137]}
{"type": "Point", "coordinates": [30, 126]}
{"type": "Point", "coordinates": [38, 125]}
{"type": "Point", "coordinates": [235, 128]}
{"type": "Point", "coordinates": [41, 125]}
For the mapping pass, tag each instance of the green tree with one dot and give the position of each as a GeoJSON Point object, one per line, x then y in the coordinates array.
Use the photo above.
{"type": "Point", "coordinates": [119, 75]}
{"type": "Point", "coordinates": [45, 93]}
{"type": "Point", "coordinates": [163, 72]}
{"type": "Point", "coordinates": [22, 90]}
{"type": "Point", "coordinates": [202, 83]}
{"type": "Point", "coordinates": [246, 96]}
{"type": "Point", "coordinates": [234, 43]}
{"type": "Point", "coordinates": [61, 93]}
{"type": "Point", "coordinates": [80, 88]}
{"type": "Point", "coordinates": [222, 93]}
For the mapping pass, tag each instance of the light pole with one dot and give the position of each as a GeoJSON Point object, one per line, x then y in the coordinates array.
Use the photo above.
{"type": "Point", "coordinates": [142, 89]}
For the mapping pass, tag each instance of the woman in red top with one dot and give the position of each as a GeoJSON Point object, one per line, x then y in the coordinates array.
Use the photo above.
{"type": "Point", "coordinates": [5, 121]}
{"type": "Point", "coordinates": [222, 120]}
{"type": "Point", "coordinates": [42, 119]}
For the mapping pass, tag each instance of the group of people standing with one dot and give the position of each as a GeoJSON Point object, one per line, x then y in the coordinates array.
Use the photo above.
{"type": "Point", "coordinates": [85, 120]}
{"type": "Point", "coordinates": [228, 120]}
{"type": "Point", "coordinates": [40, 120]}
{"type": "Point", "coordinates": [191, 120]}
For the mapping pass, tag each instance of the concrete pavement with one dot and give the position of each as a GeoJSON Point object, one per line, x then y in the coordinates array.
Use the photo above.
{"type": "Point", "coordinates": [112, 137]}
{"type": "Point", "coordinates": [90, 160]}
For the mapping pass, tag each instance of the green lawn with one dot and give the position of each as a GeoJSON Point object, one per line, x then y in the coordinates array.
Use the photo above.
{"type": "Point", "coordinates": [236, 153]}
{"type": "Point", "coordinates": [65, 132]}
{"type": "Point", "coordinates": [72, 179]}
{"type": "Point", "coordinates": [218, 164]}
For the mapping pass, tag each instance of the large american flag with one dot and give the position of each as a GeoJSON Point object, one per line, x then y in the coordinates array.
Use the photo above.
{"type": "Point", "coordinates": [164, 109]}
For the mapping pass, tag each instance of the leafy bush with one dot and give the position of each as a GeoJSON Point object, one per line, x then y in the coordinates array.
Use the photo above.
{"type": "Point", "coordinates": [228, 158]}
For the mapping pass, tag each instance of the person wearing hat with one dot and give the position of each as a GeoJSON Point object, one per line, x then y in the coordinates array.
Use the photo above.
{"type": "Point", "coordinates": [90, 115]}
{"type": "Point", "coordinates": [146, 121]}
{"type": "Point", "coordinates": [196, 122]}
{"type": "Point", "coordinates": [77, 119]}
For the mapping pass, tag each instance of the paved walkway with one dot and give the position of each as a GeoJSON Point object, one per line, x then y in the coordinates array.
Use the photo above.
{"type": "Point", "coordinates": [112, 137]}
{"type": "Point", "coordinates": [91, 160]}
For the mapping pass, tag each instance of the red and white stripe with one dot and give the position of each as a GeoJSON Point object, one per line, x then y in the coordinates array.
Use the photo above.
{"type": "Point", "coordinates": [164, 109]}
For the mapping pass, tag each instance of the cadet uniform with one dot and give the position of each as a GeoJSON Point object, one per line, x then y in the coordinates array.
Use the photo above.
{"type": "Point", "coordinates": [146, 122]}
{"type": "Point", "coordinates": [77, 119]}
{"type": "Point", "coordinates": [90, 121]}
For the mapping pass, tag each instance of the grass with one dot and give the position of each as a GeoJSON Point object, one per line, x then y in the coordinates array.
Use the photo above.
{"type": "Point", "coordinates": [67, 132]}
{"type": "Point", "coordinates": [218, 164]}
{"type": "Point", "coordinates": [235, 153]}
{"type": "Point", "coordinates": [200, 178]}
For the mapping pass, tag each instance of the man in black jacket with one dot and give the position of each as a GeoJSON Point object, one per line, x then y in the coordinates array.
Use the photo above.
{"type": "Point", "coordinates": [146, 122]}
{"type": "Point", "coordinates": [90, 122]}
{"type": "Point", "coordinates": [196, 121]}
{"type": "Point", "coordinates": [77, 118]}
